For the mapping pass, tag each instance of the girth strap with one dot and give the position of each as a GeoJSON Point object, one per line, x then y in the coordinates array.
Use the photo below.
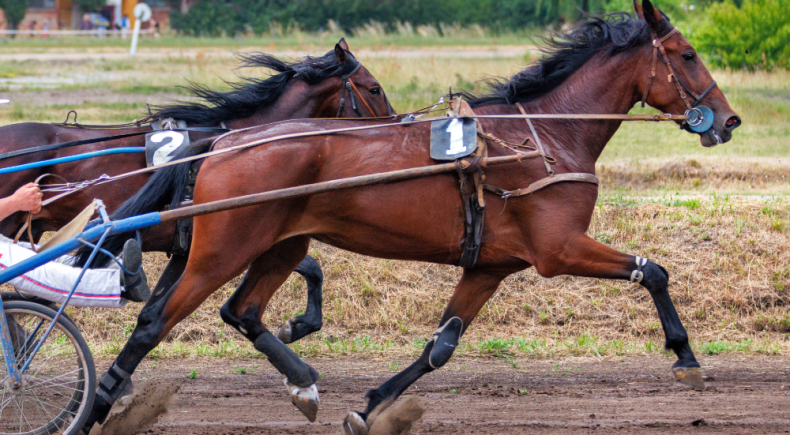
{"type": "Point", "coordinates": [542, 183]}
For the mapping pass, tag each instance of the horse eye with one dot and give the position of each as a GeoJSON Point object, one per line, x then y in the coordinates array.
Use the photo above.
{"type": "Point", "coordinates": [375, 91]}
{"type": "Point", "coordinates": [688, 57]}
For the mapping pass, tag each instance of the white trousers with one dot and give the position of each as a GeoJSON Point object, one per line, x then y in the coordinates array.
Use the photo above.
{"type": "Point", "coordinates": [54, 280]}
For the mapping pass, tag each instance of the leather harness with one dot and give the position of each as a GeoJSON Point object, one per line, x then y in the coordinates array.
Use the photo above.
{"type": "Point", "coordinates": [473, 205]}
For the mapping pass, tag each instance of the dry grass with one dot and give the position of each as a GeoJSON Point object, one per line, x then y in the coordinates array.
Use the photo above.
{"type": "Point", "coordinates": [729, 265]}
{"type": "Point", "coordinates": [753, 176]}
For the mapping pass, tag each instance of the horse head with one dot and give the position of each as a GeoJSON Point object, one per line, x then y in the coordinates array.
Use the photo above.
{"type": "Point", "coordinates": [679, 82]}
{"type": "Point", "coordinates": [359, 92]}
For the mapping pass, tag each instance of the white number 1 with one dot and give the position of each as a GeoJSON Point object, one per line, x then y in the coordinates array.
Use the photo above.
{"type": "Point", "coordinates": [456, 130]}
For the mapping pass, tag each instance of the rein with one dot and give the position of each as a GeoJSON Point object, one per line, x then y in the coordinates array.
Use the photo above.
{"type": "Point", "coordinates": [107, 179]}
{"type": "Point", "coordinates": [75, 143]}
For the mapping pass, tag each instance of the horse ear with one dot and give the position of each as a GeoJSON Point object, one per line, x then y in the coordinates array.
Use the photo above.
{"type": "Point", "coordinates": [651, 14]}
{"type": "Point", "coordinates": [340, 54]}
{"type": "Point", "coordinates": [343, 44]}
{"type": "Point", "coordinates": [638, 8]}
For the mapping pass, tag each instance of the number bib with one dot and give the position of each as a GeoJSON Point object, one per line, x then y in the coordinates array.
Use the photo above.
{"type": "Point", "coordinates": [162, 145]}
{"type": "Point", "coordinates": [453, 138]}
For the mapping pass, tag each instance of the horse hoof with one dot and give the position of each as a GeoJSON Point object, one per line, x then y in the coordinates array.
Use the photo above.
{"type": "Point", "coordinates": [353, 424]}
{"type": "Point", "coordinates": [691, 376]}
{"type": "Point", "coordinates": [285, 332]}
{"type": "Point", "coordinates": [305, 399]}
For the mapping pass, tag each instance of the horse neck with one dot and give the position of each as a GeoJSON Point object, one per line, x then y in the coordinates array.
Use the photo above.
{"type": "Point", "coordinates": [299, 100]}
{"type": "Point", "coordinates": [602, 86]}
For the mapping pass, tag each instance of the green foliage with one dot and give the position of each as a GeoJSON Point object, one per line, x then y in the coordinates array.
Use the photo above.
{"type": "Point", "coordinates": [754, 36]}
{"type": "Point", "coordinates": [14, 11]}
{"type": "Point", "coordinates": [90, 5]}
{"type": "Point", "coordinates": [212, 17]}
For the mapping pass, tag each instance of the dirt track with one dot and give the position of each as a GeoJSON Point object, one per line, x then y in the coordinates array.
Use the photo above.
{"type": "Point", "coordinates": [745, 394]}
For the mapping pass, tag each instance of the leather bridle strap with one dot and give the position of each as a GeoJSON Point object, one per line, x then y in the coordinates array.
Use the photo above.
{"type": "Point", "coordinates": [683, 89]}
{"type": "Point", "coordinates": [348, 85]}
{"type": "Point", "coordinates": [367, 106]}
{"type": "Point", "coordinates": [656, 44]}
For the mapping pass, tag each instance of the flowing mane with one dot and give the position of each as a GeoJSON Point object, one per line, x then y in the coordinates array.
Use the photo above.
{"type": "Point", "coordinates": [565, 53]}
{"type": "Point", "coordinates": [250, 95]}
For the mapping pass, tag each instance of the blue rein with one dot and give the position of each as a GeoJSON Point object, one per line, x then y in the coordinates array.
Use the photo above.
{"type": "Point", "coordinates": [123, 150]}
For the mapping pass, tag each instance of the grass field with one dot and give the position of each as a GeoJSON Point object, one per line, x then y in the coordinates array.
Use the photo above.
{"type": "Point", "coordinates": [717, 218]}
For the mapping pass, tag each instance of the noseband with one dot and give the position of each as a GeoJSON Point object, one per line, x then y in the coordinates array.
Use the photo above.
{"type": "Point", "coordinates": [348, 85]}
{"type": "Point", "coordinates": [700, 118]}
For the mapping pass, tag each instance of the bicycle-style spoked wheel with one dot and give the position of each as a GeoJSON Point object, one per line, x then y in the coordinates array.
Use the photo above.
{"type": "Point", "coordinates": [57, 389]}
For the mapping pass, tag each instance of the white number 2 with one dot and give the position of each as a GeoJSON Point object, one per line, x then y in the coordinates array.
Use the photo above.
{"type": "Point", "coordinates": [456, 130]}
{"type": "Point", "coordinates": [162, 155]}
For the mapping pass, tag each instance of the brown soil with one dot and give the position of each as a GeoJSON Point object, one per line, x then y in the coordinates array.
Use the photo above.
{"type": "Point", "coordinates": [745, 394]}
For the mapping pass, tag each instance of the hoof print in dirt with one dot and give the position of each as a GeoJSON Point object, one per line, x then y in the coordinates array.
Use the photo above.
{"type": "Point", "coordinates": [691, 376]}
{"type": "Point", "coordinates": [396, 419]}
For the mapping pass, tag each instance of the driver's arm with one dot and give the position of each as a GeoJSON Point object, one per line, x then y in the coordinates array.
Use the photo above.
{"type": "Point", "coordinates": [26, 198]}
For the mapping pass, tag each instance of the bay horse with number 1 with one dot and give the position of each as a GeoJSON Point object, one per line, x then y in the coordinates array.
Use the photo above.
{"type": "Point", "coordinates": [603, 66]}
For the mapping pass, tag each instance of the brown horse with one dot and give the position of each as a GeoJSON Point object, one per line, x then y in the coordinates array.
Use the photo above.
{"type": "Point", "coordinates": [601, 67]}
{"type": "Point", "coordinates": [310, 88]}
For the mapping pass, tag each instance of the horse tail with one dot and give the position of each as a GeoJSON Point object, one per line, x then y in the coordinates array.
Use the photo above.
{"type": "Point", "coordinates": [166, 187]}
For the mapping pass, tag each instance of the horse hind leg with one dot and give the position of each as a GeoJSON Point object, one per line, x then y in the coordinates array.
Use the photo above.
{"type": "Point", "coordinates": [244, 309]}
{"type": "Point", "coordinates": [312, 319]}
{"type": "Point", "coordinates": [473, 291]}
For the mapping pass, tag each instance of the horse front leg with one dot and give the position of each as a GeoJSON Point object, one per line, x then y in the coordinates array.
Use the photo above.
{"type": "Point", "coordinates": [473, 291]}
{"type": "Point", "coordinates": [161, 313]}
{"type": "Point", "coordinates": [583, 256]}
{"type": "Point", "coordinates": [312, 319]}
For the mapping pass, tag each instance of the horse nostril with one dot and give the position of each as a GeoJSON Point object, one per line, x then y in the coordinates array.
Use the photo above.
{"type": "Point", "coordinates": [733, 122]}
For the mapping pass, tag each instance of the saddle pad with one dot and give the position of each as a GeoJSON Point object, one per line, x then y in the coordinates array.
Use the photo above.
{"type": "Point", "coordinates": [453, 138]}
{"type": "Point", "coordinates": [161, 145]}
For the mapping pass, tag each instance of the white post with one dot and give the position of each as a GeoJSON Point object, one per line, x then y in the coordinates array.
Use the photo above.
{"type": "Point", "coordinates": [142, 13]}
{"type": "Point", "coordinates": [135, 36]}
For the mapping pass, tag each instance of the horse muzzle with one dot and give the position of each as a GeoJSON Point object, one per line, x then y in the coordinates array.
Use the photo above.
{"type": "Point", "coordinates": [702, 121]}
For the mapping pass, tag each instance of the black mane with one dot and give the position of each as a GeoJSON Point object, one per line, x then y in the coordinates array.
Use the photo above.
{"type": "Point", "coordinates": [565, 53]}
{"type": "Point", "coordinates": [251, 95]}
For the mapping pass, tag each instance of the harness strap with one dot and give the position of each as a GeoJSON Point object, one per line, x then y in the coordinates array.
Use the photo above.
{"type": "Point", "coordinates": [538, 142]}
{"type": "Point", "coordinates": [542, 183]}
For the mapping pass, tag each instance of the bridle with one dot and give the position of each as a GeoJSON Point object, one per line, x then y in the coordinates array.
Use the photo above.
{"type": "Point", "coordinates": [348, 85]}
{"type": "Point", "coordinates": [700, 118]}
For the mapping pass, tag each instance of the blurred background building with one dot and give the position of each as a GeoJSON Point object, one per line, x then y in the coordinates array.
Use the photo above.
{"type": "Point", "coordinates": [68, 15]}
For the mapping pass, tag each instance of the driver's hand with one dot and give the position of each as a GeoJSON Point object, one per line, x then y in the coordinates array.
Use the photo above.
{"type": "Point", "coordinates": [28, 198]}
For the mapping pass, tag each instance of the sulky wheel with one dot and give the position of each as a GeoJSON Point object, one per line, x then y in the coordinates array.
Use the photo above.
{"type": "Point", "coordinates": [57, 389]}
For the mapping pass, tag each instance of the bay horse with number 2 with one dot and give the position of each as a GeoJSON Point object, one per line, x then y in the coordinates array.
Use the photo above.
{"type": "Point", "coordinates": [315, 87]}
{"type": "Point", "coordinates": [600, 67]}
